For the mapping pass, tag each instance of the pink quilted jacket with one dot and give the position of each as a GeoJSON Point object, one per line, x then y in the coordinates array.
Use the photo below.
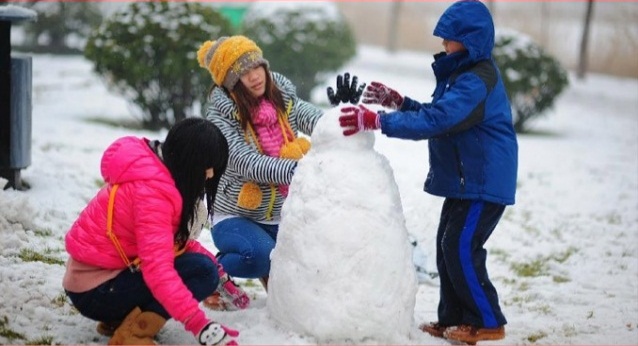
{"type": "Point", "coordinates": [146, 216]}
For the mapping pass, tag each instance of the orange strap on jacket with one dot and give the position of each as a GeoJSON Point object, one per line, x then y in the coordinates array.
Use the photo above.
{"type": "Point", "coordinates": [135, 265]}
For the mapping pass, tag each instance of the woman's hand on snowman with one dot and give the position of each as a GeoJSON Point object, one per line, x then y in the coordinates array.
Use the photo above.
{"type": "Point", "coordinates": [347, 91]}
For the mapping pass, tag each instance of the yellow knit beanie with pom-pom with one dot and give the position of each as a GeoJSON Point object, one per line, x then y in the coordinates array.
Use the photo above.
{"type": "Point", "coordinates": [228, 58]}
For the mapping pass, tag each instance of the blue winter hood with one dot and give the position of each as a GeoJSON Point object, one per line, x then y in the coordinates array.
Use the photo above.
{"type": "Point", "coordinates": [470, 23]}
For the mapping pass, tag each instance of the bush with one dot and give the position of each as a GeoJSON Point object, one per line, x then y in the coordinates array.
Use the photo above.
{"type": "Point", "coordinates": [301, 41]}
{"type": "Point", "coordinates": [61, 27]}
{"type": "Point", "coordinates": [147, 52]}
{"type": "Point", "coordinates": [533, 78]}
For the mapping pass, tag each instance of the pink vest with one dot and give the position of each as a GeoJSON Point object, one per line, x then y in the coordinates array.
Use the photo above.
{"type": "Point", "coordinates": [269, 132]}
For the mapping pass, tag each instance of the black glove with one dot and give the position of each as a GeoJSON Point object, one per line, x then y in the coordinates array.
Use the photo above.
{"type": "Point", "coordinates": [346, 91]}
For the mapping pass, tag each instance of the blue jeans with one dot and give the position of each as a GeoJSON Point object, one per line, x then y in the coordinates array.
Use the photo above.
{"type": "Point", "coordinates": [114, 299]}
{"type": "Point", "coordinates": [244, 246]}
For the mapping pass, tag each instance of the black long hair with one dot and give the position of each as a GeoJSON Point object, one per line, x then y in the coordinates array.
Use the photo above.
{"type": "Point", "coordinates": [192, 146]}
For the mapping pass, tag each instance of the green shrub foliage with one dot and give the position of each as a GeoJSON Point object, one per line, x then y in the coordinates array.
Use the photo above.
{"type": "Point", "coordinates": [533, 78]}
{"type": "Point", "coordinates": [301, 42]}
{"type": "Point", "coordinates": [148, 53]}
{"type": "Point", "coordinates": [61, 27]}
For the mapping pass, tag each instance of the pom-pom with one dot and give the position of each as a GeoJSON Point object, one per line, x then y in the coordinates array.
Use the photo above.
{"type": "Point", "coordinates": [202, 52]}
{"type": "Point", "coordinates": [304, 144]}
{"type": "Point", "coordinates": [250, 196]}
{"type": "Point", "coordinates": [295, 150]}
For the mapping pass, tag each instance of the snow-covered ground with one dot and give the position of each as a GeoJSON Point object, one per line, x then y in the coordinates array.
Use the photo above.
{"type": "Point", "coordinates": [564, 258]}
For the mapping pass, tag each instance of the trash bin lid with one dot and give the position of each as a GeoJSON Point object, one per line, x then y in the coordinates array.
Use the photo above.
{"type": "Point", "coordinates": [12, 13]}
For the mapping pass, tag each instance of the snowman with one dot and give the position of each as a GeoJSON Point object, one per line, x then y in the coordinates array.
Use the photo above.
{"type": "Point", "coordinates": [342, 269]}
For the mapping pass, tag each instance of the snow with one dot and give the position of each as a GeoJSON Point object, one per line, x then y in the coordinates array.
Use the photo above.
{"type": "Point", "coordinates": [279, 15]}
{"type": "Point", "coordinates": [310, 11]}
{"type": "Point", "coordinates": [326, 274]}
{"type": "Point", "coordinates": [563, 259]}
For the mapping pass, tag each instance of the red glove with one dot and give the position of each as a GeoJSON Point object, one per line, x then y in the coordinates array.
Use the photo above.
{"type": "Point", "coordinates": [355, 119]}
{"type": "Point", "coordinates": [379, 94]}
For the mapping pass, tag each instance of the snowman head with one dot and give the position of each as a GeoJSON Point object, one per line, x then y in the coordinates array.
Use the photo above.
{"type": "Point", "coordinates": [328, 135]}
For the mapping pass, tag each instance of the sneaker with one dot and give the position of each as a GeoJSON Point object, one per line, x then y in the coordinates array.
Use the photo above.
{"type": "Point", "coordinates": [433, 328]}
{"type": "Point", "coordinates": [220, 301]}
{"type": "Point", "coordinates": [216, 302]}
{"type": "Point", "coordinates": [471, 335]}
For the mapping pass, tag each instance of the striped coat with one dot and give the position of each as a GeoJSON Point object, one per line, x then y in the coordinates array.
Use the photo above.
{"type": "Point", "coordinates": [246, 163]}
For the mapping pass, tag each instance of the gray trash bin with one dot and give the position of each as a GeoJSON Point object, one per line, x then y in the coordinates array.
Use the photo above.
{"type": "Point", "coordinates": [15, 100]}
{"type": "Point", "coordinates": [20, 116]}
{"type": "Point", "coordinates": [18, 154]}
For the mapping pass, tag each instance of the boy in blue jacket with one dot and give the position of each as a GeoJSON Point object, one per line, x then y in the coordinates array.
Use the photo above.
{"type": "Point", "coordinates": [473, 164]}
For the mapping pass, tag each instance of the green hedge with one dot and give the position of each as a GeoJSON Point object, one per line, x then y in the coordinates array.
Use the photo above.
{"type": "Point", "coordinates": [301, 42]}
{"type": "Point", "coordinates": [147, 52]}
{"type": "Point", "coordinates": [533, 78]}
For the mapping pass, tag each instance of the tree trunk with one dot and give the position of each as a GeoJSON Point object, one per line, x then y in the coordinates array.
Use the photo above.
{"type": "Point", "coordinates": [544, 22]}
{"type": "Point", "coordinates": [582, 57]}
{"type": "Point", "coordinates": [393, 29]}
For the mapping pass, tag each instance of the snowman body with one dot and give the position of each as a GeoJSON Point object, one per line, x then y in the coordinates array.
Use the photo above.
{"type": "Point", "coordinates": [342, 268]}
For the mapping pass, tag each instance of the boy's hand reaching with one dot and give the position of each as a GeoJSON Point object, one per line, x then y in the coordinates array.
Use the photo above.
{"type": "Point", "coordinates": [378, 93]}
{"type": "Point", "coordinates": [346, 91]}
{"type": "Point", "coordinates": [355, 119]}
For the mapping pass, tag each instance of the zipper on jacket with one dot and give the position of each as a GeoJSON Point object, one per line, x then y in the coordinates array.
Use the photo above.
{"type": "Point", "coordinates": [459, 166]}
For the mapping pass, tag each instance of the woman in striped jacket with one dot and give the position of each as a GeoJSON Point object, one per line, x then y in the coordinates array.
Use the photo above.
{"type": "Point", "coordinates": [261, 116]}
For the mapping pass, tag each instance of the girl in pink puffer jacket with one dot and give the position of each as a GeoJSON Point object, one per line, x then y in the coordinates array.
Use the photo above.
{"type": "Point", "coordinates": [133, 263]}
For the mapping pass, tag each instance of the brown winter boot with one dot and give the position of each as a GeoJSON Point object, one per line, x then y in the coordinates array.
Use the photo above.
{"type": "Point", "coordinates": [138, 328]}
{"type": "Point", "coordinates": [264, 282]}
{"type": "Point", "coordinates": [471, 335]}
{"type": "Point", "coordinates": [433, 328]}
